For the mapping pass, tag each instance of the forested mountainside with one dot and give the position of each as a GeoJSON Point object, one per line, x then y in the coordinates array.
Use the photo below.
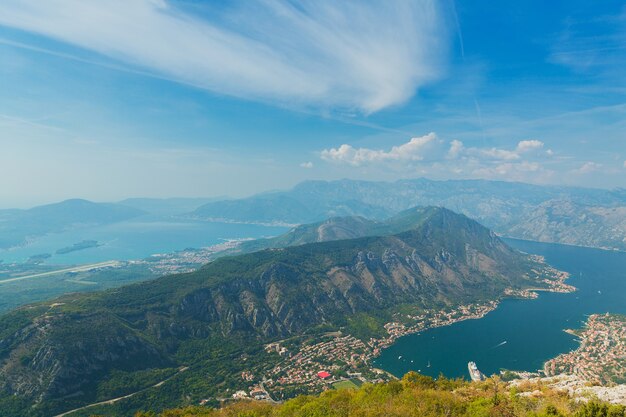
{"type": "Point", "coordinates": [339, 228]}
{"type": "Point", "coordinates": [84, 348]}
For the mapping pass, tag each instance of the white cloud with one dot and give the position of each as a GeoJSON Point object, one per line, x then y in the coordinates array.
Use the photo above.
{"type": "Point", "coordinates": [523, 147]}
{"type": "Point", "coordinates": [413, 150]}
{"type": "Point", "coordinates": [508, 168]}
{"type": "Point", "coordinates": [324, 53]}
{"type": "Point", "coordinates": [442, 159]}
{"type": "Point", "coordinates": [418, 148]}
{"type": "Point", "coordinates": [495, 153]}
{"type": "Point", "coordinates": [528, 146]}
{"type": "Point", "coordinates": [307, 165]}
{"type": "Point", "coordinates": [588, 168]}
{"type": "Point", "coordinates": [456, 148]}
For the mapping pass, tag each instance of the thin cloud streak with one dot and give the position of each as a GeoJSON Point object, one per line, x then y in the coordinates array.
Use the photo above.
{"type": "Point", "coordinates": [366, 56]}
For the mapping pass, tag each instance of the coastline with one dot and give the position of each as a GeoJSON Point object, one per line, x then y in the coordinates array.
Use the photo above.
{"type": "Point", "coordinates": [556, 285]}
{"type": "Point", "coordinates": [301, 366]}
{"type": "Point", "coordinates": [599, 356]}
{"type": "Point", "coordinates": [603, 248]}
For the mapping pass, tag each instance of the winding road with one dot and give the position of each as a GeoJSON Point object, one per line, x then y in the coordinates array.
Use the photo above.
{"type": "Point", "coordinates": [114, 400]}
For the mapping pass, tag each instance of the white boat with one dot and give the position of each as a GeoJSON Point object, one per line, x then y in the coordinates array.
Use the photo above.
{"type": "Point", "coordinates": [475, 374]}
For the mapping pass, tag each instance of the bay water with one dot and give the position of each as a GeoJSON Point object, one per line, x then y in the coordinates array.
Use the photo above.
{"type": "Point", "coordinates": [519, 334]}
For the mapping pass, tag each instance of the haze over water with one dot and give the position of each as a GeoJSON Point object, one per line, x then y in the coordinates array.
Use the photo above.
{"type": "Point", "coordinates": [135, 239]}
{"type": "Point", "coordinates": [519, 334]}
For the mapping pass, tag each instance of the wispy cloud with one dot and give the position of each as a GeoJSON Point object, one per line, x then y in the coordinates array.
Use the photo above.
{"type": "Point", "coordinates": [6, 119]}
{"type": "Point", "coordinates": [349, 54]}
{"type": "Point", "coordinates": [593, 44]}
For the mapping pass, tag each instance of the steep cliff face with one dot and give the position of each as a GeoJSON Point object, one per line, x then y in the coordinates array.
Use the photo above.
{"type": "Point", "coordinates": [60, 354]}
{"type": "Point", "coordinates": [53, 351]}
{"type": "Point", "coordinates": [565, 221]}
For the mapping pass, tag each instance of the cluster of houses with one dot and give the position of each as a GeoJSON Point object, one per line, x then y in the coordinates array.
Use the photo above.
{"type": "Point", "coordinates": [255, 393]}
{"type": "Point", "coordinates": [601, 354]}
{"type": "Point", "coordinates": [187, 260]}
{"type": "Point", "coordinates": [277, 348]}
{"type": "Point", "coordinates": [554, 278]}
{"type": "Point", "coordinates": [314, 364]}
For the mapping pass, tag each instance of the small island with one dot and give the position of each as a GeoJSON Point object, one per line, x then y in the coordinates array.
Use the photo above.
{"type": "Point", "coordinates": [38, 259]}
{"type": "Point", "coordinates": [85, 244]}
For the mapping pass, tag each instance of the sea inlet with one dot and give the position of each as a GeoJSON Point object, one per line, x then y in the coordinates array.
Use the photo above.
{"type": "Point", "coordinates": [519, 334]}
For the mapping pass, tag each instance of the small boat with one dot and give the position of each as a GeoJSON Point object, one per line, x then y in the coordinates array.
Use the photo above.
{"type": "Point", "coordinates": [428, 366]}
{"type": "Point", "coordinates": [399, 357]}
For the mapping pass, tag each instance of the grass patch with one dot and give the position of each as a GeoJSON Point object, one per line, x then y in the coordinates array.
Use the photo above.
{"type": "Point", "coordinates": [347, 384]}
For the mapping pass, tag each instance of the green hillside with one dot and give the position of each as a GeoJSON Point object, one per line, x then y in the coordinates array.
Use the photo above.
{"type": "Point", "coordinates": [91, 347]}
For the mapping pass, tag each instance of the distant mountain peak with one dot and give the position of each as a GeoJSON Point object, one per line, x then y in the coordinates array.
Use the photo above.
{"type": "Point", "coordinates": [502, 206]}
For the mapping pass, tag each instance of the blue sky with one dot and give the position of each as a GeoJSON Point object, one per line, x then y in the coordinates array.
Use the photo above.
{"type": "Point", "coordinates": [107, 100]}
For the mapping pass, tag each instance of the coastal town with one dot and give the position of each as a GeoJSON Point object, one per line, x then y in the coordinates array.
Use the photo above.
{"type": "Point", "coordinates": [551, 277]}
{"type": "Point", "coordinates": [177, 262]}
{"type": "Point", "coordinates": [337, 359]}
{"type": "Point", "coordinates": [186, 260]}
{"type": "Point", "coordinates": [322, 364]}
{"type": "Point", "coordinates": [601, 356]}
{"type": "Point", "coordinates": [325, 361]}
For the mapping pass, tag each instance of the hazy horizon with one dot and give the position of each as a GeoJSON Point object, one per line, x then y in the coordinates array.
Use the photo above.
{"type": "Point", "coordinates": [260, 192]}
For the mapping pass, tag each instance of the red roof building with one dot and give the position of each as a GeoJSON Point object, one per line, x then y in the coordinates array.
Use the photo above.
{"type": "Point", "coordinates": [323, 375]}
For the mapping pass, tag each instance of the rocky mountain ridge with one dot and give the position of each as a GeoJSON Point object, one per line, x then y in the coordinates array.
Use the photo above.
{"type": "Point", "coordinates": [571, 215]}
{"type": "Point", "coordinates": [57, 355]}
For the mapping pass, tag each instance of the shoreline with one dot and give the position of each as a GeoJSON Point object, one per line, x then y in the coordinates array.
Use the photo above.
{"type": "Point", "coordinates": [558, 286]}
{"type": "Point", "coordinates": [599, 355]}
{"type": "Point", "coordinates": [563, 244]}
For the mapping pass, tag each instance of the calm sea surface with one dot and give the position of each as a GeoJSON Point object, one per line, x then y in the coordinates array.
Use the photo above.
{"type": "Point", "coordinates": [519, 334]}
{"type": "Point", "coordinates": [135, 239]}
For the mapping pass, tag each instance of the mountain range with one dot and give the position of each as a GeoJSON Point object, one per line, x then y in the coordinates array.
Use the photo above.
{"type": "Point", "coordinates": [570, 215]}
{"type": "Point", "coordinates": [17, 226]}
{"type": "Point", "coordinates": [59, 355]}
{"type": "Point", "coordinates": [168, 206]}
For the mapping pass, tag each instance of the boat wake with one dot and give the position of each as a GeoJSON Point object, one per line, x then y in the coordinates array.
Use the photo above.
{"type": "Point", "coordinates": [498, 345]}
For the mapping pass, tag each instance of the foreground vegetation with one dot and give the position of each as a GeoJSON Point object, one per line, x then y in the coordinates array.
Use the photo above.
{"type": "Point", "coordinates": [419, 396]}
